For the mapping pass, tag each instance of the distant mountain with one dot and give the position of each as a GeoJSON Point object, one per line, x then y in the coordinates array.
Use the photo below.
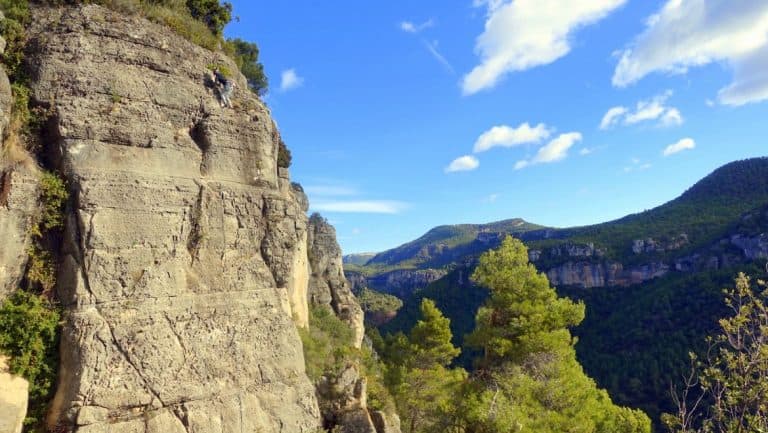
{"type": "Point", "coordinates": [358, 258]}
{"type": "Point", "coordinates": [651, 281]}
{"type": "Point", "coordinates": [445, 244]}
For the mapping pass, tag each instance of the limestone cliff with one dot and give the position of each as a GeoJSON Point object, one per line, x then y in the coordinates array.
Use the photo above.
{"type": "Point", "coordinates": [327, 284]}
{"type": "Point", "coordinates": [184, 260]}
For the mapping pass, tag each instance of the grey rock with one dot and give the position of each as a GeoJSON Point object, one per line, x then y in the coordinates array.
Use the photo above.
{"type": "Point", "coordinates": [18, 206]}
{"type": "Point", "coordinates": [327, 284]}
{"type": "Point", "coordinates": [403, 282]}
{"type": "Point", "coordinates": [184, 259]}
{"type": "Point", "coordinates": [753, 247]}
{"type": "Point", "coordinates": [588, 275]}
{"type": "Point", "coordinates": [385, 423]}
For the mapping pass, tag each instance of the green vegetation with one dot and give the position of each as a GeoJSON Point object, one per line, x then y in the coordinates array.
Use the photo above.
{"type": "Point", "coordinates": [726, 392]}
{"type": "Point", "coordinates": [528, 374]}
{"type": "Point", "coordinates": [29, 325]}
{"type": "Point", "coordinates": [373, 301]}
{"type": "Point", "coordinates": [328, 350]}
{"type": "Point", "coordinates": [526, 378]}
{"type": "Point", "coordinates": [215, 15]}
{"type": "Point", "coordinates": [246, 55]}
{"type": "Point", "coordinates": [426, 391]}
{"type": "Point", "coordinates": [283, 155]}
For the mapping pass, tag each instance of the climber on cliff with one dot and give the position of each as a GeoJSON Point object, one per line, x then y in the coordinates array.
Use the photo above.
{"type": "Point", "coordinates": [226, 89]}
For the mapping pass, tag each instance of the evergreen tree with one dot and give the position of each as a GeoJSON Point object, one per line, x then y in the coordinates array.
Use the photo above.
{"type": "Point", "coordinates": [528, 379]}
{"type": "Point", "coordinates": [425, 389]}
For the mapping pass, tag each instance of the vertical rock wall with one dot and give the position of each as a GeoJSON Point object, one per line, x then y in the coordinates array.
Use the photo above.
{"type": "Point", "coordinates": [184, 250]}
{"type": "Point", "coordinates": [327, 284]}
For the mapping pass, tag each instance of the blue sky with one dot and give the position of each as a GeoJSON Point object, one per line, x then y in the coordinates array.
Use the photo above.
{"type": "Point", "coordinates": [404, 115]}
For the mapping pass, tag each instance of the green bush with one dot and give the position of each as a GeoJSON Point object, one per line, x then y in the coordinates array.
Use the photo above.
{"type": "Point", "coordinates": [215, 15]}
{"type": "Point", "coordinates": [29, 336]}
{"type": "Point", "coordinates": [246, 55]}
{"type": "Point", "coordinates": [283, 155]}
{"type": "Point", "coordinates": [327, 343]}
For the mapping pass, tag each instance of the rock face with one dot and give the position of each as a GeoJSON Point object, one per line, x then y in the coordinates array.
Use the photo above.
{"type": "Point", "coordinates": [403, 282]}
{"type": "Point", "coordinates": [18, 205]}
{"type": "Point", "coordinates": [327, 284]}
{"type": "Point", "coordinates": [588, 275]}
{"type": "Point", "coordinates": [184, 256]}
{"type": "Point", "coordinates": [13, 400]}
{"type": "Point", "coordinates": [18, 202]}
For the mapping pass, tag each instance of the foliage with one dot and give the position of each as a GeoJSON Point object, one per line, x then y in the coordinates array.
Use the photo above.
{"type": "Point", "coordinates": [327, 343]}
{"type": "Point", "coordinates": [328, 350]}
{"type": "Point", "coordinates": [528, 378]}
{"type": "Point", "coordinates": [283, 155]}
{"type": "Point", "coordinates": [29, 335]}
{"type": "Point", "coordinates": [215, 15]}
{"type": "Point", "coordinates": [733, 377]}
{"type": "Point", "coordinates": [373, 301]}
{"type": "Point", "coordinates": [425, 389]}
{"type": "Point", "coordinates": [246, 56]}
{"type": "Point", "coordinates": [454, 297]}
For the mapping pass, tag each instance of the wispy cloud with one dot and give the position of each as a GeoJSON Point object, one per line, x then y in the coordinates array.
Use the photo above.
{"type": "Point", "coordinates": [684, 144]}
{"type": "Point", "coordinates": [555, 150]}
{"type": "Point", "coordinates": [462, 163]}
{"type": "Point", "coordinates": [491, 198]}
{"type": "Point", "coordinates": [637, 165]}
{"type": "Point", "coordinates": [330, 190]}
{"type": "Point", "coordinates": [653, 109]}
{"type": "Point", "coordinates": [507, 136]}
{"type": "Point", "coordinates": [360, 206]}
{"type": "Point", "coordinates": [329, 195]}
{"type": "Point", "coordinates": [410, 27]}
{"type": "Point", "coordinates": [691, 33]}
{"type": "Point", "coordinates": [520, 35]}
{"type": "Point", "coordinates": [290, 80]}
{"type": "Point", "coordinates": [431, 46]}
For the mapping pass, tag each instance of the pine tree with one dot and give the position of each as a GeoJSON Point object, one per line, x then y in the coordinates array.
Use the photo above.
{"type": "Point", "coordinates": [528, 379]}
{"type": "Point", "coordinates": [426, 389]}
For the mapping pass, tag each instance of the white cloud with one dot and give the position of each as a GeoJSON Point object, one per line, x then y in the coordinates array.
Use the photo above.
{"type": "Point", "coordinates": [290, 80]}
{"type": "Point", "coordinates": [655, 108]}
{"type": "Point", "coordinates": [463, 163]}
{"type": "Point", "coordinates": [684, 144]}
{"type": "Point", "coordinates": [491, 198]}
{"type": "Point", "coordinates": [691, 33]}
{"type": "Point", "coordinates": [637, 165]}
{"type": "Point", "coordinates": [361, 206]}
{"type": "Point", "coordinates": [410, 27]}
{"type": "Point", "coordinates": [555, 150]}
{"type": "Point", "coordinates": [585, 151]}
{"type": "Point", "coordinates": [612, 117]}
{"type": "Point", "coordinates": [522, 34]}
{"type": "Point", "coordinates": [506, 136]}
{"type": "Point", "coordinates": [330, 190]}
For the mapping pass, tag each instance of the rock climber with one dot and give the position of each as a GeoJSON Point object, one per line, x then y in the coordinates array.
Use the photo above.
{"type": "Point", "coordinates": [226, 89]}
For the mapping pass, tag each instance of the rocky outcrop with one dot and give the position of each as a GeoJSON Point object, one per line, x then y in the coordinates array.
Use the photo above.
{"type": "Point", "coordinates": [184, 256]}
{"type": "Point", "coordinates": [18, 207]}
{"type": "Point", "coordinates": [403, 282]}
{"type": "Point", "coordinates": [13, 400]}
{"type": "Point", "coordinates": [356, 280]}
{"type": "Point", "coordinates": [588, 275]}
{"type": "Point", "coordinates": [327, 284]}
{"type": "Point", "coordinates": [650, 245]}
{"type": "Point", "coordinates": [753, 247]}
{"type": "Point", "coordinates": [18, 199]}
